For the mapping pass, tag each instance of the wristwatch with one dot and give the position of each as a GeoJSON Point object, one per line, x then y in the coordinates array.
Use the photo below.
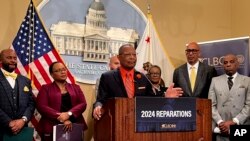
{"type": "Point", "coordinates": [70, 113]}
{"type": "Point", "coordinates": [24, 118]}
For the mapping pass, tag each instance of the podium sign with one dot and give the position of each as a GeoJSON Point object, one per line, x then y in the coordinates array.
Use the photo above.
{"type": "Point", "coordinates": [118, 123]}
{"type": "Point", "coordinates": [165, 114]}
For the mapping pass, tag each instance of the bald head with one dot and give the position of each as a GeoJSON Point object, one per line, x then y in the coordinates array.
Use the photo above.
{"type": "Point", "coordinates": [192, 53]}
{"type": "Point", "coordinates": [127, 56]}
{"type": "Point", "coordinates": [114, 63]}
{"type": "Point", "coordinates": [8, 59]}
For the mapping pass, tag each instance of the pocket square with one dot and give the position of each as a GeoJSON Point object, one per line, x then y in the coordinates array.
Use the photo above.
{"type": "Point", "coordinates": [140, 88]}
{"type": "Point", "coordinates": [26, 89]}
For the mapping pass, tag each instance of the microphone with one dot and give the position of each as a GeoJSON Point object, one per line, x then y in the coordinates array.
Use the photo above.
{"type": "Point", "coordinates": [153, 88]}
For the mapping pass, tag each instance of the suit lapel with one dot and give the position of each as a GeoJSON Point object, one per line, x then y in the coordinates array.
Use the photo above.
{"type": "Point", "coordinates": [20, 86]}
{"type": "Point", "coordinates": [223, 83]}
{"type": "Point", "coordinates": [199, 77]}
{"type": "Point", "coordinates": [186, 77]}
{"type": "Point", "coordinates": [237, 83]}
{"type": "Point", "coordinates": [137, 76]}
{"type": "Point", "coordinates": [119, 81]}
{"type": "Point", "coordinates": [4, 82]}
{"type": "Point", "coordinates": [225, 88]}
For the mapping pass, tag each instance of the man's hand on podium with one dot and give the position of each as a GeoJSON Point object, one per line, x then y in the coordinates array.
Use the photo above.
{"type": "Point", "coordinates": [97, 114]}
{"type": "Point", "coordinates": [173, 92]}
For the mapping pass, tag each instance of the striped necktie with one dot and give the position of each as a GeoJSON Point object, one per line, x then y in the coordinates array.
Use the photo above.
{"type": "Point", "coordinates": [129, 85]}
{"type": "Point", "coordinates": [230, 82]}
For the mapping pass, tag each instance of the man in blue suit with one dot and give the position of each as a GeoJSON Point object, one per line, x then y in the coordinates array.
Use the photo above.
{"type": "Point", "coordinates": [113, 83]}
{"type": "Point", "coordinates": [16, 98]}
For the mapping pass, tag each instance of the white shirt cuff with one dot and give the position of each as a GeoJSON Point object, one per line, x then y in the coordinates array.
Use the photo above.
{"type": "Point", "coordinates": [219, 122]}
{"type": "Point", "coordinates": [217, 130]}
{"type": "Point", "coordinates": [235, 120]}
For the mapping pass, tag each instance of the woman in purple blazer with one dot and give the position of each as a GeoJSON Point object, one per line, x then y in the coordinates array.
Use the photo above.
{"type": "Point", "coordinates": [59, 103]}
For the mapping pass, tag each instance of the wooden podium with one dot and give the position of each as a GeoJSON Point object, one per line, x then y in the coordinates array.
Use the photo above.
{"type": "Point", "coordinates": [118, 124]}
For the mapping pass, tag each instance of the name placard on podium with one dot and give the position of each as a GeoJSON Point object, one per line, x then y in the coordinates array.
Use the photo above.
{"type": "Point", "coordinates": [165, 114]}
{"type": "Point", "coordinates": [118, 122]}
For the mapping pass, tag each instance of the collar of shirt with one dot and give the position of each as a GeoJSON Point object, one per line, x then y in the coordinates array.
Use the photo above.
{"type": "Point", "coordinates": [234, 76]}
{"type": "Point", "coordinates": [196, 65]}
{"type": "Point", "coordinates": [11, 81]}
{"type": "Point", "coordinates": [4, 71]}
{"type": "Point", "coordinates": [124, 72]}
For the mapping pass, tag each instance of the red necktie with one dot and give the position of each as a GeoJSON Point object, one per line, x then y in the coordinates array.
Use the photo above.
{"type": "Point", "coordinates": [129, 85]}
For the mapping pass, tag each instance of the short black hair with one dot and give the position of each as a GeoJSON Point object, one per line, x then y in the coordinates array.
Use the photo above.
{"type": "Point", "coordinates": [154, 66]}
{"type": "Point", "coordinates": [51, 66]}
{"type": "Point", "coordinates": [123, 46]}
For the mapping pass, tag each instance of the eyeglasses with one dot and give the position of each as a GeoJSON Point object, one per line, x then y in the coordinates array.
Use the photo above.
{"type": "Point", "coordinates": [61, 70]}
{"type": "Point", "coordinates": [192, 50]}
{"type": "Point", "coordinates": [129, 54]}
{"type": "Point", "coordinates": [155, 74]}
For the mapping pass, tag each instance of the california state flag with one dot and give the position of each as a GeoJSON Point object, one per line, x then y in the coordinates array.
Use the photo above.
{"type": "Point", "coordinates": [150, 49]}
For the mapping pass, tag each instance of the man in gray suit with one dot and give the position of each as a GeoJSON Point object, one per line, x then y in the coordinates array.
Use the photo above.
{"type": "Point", "coordinates": [230, 95]}
{"type": "Point", "coordinates": [202, 79]}
{"type": "Point", "coordinates": [16, 99]}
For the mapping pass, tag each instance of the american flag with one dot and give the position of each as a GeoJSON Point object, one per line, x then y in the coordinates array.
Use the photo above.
{"type": "Point", "coordinates": [35, 52]}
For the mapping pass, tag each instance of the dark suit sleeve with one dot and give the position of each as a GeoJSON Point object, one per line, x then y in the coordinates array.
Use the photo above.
{"type": "Point", "coordinates": [102, 94]}
{"type": "Point", "coordinates": [4, 119]}
{"type": "Point", "coordinates": [29, 111]}
{"type": "Point", "coordinates": [214, 72]}
{"type": "Point", "coordinates": [175, 78]}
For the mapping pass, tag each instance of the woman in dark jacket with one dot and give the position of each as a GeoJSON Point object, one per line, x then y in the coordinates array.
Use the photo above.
{"type": "Point", "coordinates": [158, 85]}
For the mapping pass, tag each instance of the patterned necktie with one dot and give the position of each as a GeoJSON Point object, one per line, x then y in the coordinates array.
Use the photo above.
{"type": "Point", "coordinates": [129, 85]}
{"type": "Point", "coordinates": [192, 77]}
{"type": "Point", "coordinates": [13, 75]}
{"type": "Point", "coordinates": [230, 82]}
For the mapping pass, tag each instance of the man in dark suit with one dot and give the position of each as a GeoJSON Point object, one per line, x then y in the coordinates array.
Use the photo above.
{"type": "Point", "coordinates": [16, 98]}
{"type": "Point", "coordinates": [126, 81]}
{"type": "Point", "coordinates": [198, 86]}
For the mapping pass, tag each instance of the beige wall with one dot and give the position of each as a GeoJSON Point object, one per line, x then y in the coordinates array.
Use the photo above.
{"type": "Point", "coordinates": [177, 22]}
{"type": "Point", "coordinates": [181, 21]}
{"type": "Point", "coordinates": [240, 18]}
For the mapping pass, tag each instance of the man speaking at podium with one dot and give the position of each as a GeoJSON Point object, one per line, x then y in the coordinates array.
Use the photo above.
{"type": "Point", "coordinates": [126, 82]}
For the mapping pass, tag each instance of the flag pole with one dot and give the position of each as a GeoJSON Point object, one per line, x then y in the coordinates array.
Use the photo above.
{"type": "Point", "coordinates": [33, 45]}
{"type": "Point", "coordinates": [149, 30]}
{"type": "Point", "coordinates": [148, 9]}
{"type": "Point", "coordinates": [31, 39]}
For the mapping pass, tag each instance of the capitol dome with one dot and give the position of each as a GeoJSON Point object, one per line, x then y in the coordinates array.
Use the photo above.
{"type": "Point", "coordinates": [97, 5]}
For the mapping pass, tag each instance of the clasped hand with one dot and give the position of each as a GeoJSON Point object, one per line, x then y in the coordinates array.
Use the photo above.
{"type": "Point", "coordinates": [16, 125]}
{"type": "Point", "coordinates": [64, 118]}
